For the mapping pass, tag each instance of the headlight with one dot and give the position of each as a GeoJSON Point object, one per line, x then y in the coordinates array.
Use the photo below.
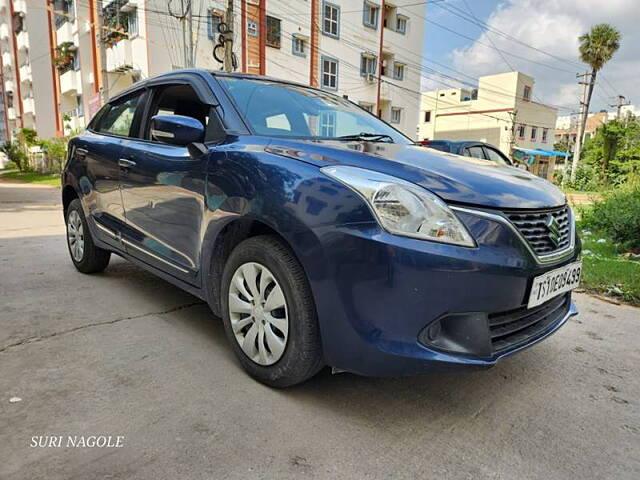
{"type": "Point", "coordinates": [403, 208]}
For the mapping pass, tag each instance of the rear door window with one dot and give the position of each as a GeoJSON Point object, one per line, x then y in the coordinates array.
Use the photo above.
{"type": "Point", "coordinates": [475, 152]}
{"type": "Point", "coordinates": [119, 117]}
{"type": "Point", "coordinates": [494, 156]}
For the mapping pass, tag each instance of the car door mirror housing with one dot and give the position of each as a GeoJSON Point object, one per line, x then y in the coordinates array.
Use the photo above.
{"type": "Point", "coordinates": [176, 129]}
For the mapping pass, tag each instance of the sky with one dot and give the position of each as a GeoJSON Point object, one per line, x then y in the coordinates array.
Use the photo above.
{"type": "Point", "coordinates": [552, 26]}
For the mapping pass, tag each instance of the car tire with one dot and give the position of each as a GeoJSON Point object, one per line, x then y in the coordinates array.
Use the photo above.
{"type": "Point", "coordinates": [255, 322]}
{"type": "Point", "coordinates": [86, 257]}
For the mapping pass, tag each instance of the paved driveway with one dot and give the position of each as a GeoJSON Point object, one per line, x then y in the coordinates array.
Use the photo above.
{"type": "Point", "coordinates": [125, 353]}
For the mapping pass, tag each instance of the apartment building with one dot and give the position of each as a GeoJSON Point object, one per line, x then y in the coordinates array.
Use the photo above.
{"type": "Point", "coordinates": [501, 111]}
{"type": "Point", "coordinates": [88, 50]}
{"type": "Point", "coordinates": [26, 66]}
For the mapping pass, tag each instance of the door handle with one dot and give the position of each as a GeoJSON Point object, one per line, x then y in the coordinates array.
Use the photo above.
{"type": "Point", "coordinates": [81, 152]}
{"type": "Point", "coordinates": [126, 163]}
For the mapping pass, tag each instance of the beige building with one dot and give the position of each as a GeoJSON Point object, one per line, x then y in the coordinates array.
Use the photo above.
{"type": "Point", "coordinates": [501, 111]}
{"type": "Point", "coordinates": [369, 52]}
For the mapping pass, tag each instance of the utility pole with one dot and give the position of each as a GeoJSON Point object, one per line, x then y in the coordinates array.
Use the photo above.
{"type": "Point", "coordinates": [512, 132]}
{"type": "Point", "coordinates": [619, 104]}
{"type": "Point", "coordinates": [582, 119]}
{"type": "Point", "coordinates": [104, 92]}
{"type": "Point", "coordinates": [192, 56]}
{"type": "Point", "coordinates": [228, 38]}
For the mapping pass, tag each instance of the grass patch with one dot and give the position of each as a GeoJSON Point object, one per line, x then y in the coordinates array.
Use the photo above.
{"type": "Point", "coordinates": [606, 271]}
{"type": "Point", "coordinates": [33, 177]}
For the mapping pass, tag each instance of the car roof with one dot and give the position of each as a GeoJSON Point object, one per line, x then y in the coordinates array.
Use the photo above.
{"type": "Point", "coordinates": [196, 72]}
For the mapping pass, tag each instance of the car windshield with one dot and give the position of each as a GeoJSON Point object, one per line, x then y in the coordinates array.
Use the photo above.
{"type": "Point", "coordinates": [285, 110]}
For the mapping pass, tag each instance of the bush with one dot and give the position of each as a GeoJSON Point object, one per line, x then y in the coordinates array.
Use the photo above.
{"type": "Point", "coordinates": [587, 178]}
{"type": "Point", "coordinates": [15, 154]}
{"type": "Point", "coordinates": [618, 214]}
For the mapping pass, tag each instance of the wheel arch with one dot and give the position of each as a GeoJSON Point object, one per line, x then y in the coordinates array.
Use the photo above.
{"type": "Point", "coordinates": [219, 244]}
{"type": "Point", "coordinates": [69, 194]}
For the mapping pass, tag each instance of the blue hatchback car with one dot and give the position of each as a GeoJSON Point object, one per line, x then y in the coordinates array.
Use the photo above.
{"type": "Point", "coordinates": [320, 234]}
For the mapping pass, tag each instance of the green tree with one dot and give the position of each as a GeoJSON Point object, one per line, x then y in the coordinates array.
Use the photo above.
{"type": "Point", "coordinates": [596, 48]}
{"type": "Point", "coordinates": [611, 133]}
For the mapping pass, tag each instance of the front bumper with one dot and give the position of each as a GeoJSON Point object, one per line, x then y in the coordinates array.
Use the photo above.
{"type": "Point", "coordinates": [379, 292]}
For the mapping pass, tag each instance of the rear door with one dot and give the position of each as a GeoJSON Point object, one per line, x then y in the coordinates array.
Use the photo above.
{"type": "Point", "coordinates": [101, 148]}
{"type": "Point", "coordinates": [163, 189]}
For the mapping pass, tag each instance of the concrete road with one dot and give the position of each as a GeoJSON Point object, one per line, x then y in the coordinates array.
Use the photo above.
{"type": "Point", "coordinates": [126, 354]}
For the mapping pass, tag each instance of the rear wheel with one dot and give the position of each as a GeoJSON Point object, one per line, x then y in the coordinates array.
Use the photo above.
{"type": "Point", "coordinates": [86, 257]}
{"type": "Point", "coordinates": [269, 314]}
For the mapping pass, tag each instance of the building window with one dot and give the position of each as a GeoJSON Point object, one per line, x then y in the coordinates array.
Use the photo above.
{"type": "Point", "coordinates": [76, 60]}
{"type": "Point", "coordinates": [213, 22]}
{"type": "Point", "coordinates": [62, 10]}
{"type": "Point", "coordinates": [401, 24]}
{"type": "Point", "coordinates": [298, 47]}
{"type": "Point", "coordinates": [427, 116]}
{"type": "Point", "coordinates": [252, 28]}
{"type": "Point", "coordinates": [368, 64]}
{"type": "Point", "coordinates": [80, 109]}
{"type": "Point", "coordinates": [527, 93]}
{"type": "Point", "coordinates": [330, 73]}
{"type": "Point", "coordinates": [545, 133]}
{"type": "Point", "coordinates": [370, 15]}
{"type": "Point", "coordinates": [366, 106]}
{"type": "Point", "coordinates": [133, 22]}
{"type": "Point", "coordinates": [273, 32]}
{"type": "Point", "coordinates": [331, 19]}
{"type": "Point", "coordinates": [534, 133]}
{"type": "Point", "coordinates": [521, 131]}
{"type": "Point", "coordinates": [398, 71]}
{"type": "Point", "coordinates": [396, 115]}
{"type": "Point", "coordinates": [328, 124]}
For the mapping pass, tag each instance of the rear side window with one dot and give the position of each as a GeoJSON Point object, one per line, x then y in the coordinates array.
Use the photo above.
{"type": "Point", "coordinates": [119, 116]}
{"type": "Point", "coordinates": [475, 152]}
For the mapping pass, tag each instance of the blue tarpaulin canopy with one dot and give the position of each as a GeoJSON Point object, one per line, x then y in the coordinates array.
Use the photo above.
{"type": "Point", "coordinates": [542, 153]}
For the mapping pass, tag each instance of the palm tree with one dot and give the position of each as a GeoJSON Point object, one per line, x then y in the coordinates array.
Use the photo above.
{"type": "Point", "coordinates": [596, 48]}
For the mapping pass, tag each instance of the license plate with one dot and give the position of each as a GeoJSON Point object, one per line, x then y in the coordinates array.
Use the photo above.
{"type": "Point", "coordinates": [554, 283]}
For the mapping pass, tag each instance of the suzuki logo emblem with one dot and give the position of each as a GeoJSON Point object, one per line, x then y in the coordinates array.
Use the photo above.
{"type": "Point", "coordinates": [554, 229]}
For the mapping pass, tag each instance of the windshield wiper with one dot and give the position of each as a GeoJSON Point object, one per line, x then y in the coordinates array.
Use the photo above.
{"type": "Point", "coordinates": [372, 137]}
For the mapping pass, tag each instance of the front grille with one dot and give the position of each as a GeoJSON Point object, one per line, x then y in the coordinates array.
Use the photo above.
{"type": "Point", "coordinates": [534, 228]}
{"type": "Point", "coordinates": [511, 329]}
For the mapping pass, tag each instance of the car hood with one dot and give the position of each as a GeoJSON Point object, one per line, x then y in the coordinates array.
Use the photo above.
{"type": "Point", "coordinates": [456, 179]}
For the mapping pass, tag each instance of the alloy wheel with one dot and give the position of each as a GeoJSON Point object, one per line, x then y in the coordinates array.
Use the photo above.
{"type": "Point", "coordinates": [75, 235]}
{"type": "Point", "coordinates": [258, 313]}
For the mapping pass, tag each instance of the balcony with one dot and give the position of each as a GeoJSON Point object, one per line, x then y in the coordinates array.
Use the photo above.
{"type": "Point", "coordinates": [22, 41]}
{"type": "Point", "coordinates": [28, 106]}
{"type": "Point", "coordinates": [69, 82]}
{"type": "Point", "coordinates": [64, 33]}
{"type": "Point", "coordinates": [20, 6]}
{"type": "Point", "coordinates": [8, 86]}
{"type": "Point", "coordinates": [11, 113]}
{"type": "Point", "coordinates": [25, 73]}
{"type": "Point", "coordinates": [7, 60]}
{"type": "Point", "coordinates": [4, 31]}
{"type": "Point", "coordinates": [119, 58]}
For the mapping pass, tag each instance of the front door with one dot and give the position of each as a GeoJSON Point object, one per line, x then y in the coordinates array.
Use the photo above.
{"type": "Point", "coordinates": [101, 151]}
{"type": "Point", "coordinates": [163, 190]}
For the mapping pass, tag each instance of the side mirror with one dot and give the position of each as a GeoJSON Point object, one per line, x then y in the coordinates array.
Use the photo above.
{"type": "Point", "coordinates": [176, 129]}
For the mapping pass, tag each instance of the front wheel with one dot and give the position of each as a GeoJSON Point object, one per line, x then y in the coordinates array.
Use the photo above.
{"type": "Point", "coordinates": [269, 314]}
{"type": "Point", "coordinates": [86, 257]}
